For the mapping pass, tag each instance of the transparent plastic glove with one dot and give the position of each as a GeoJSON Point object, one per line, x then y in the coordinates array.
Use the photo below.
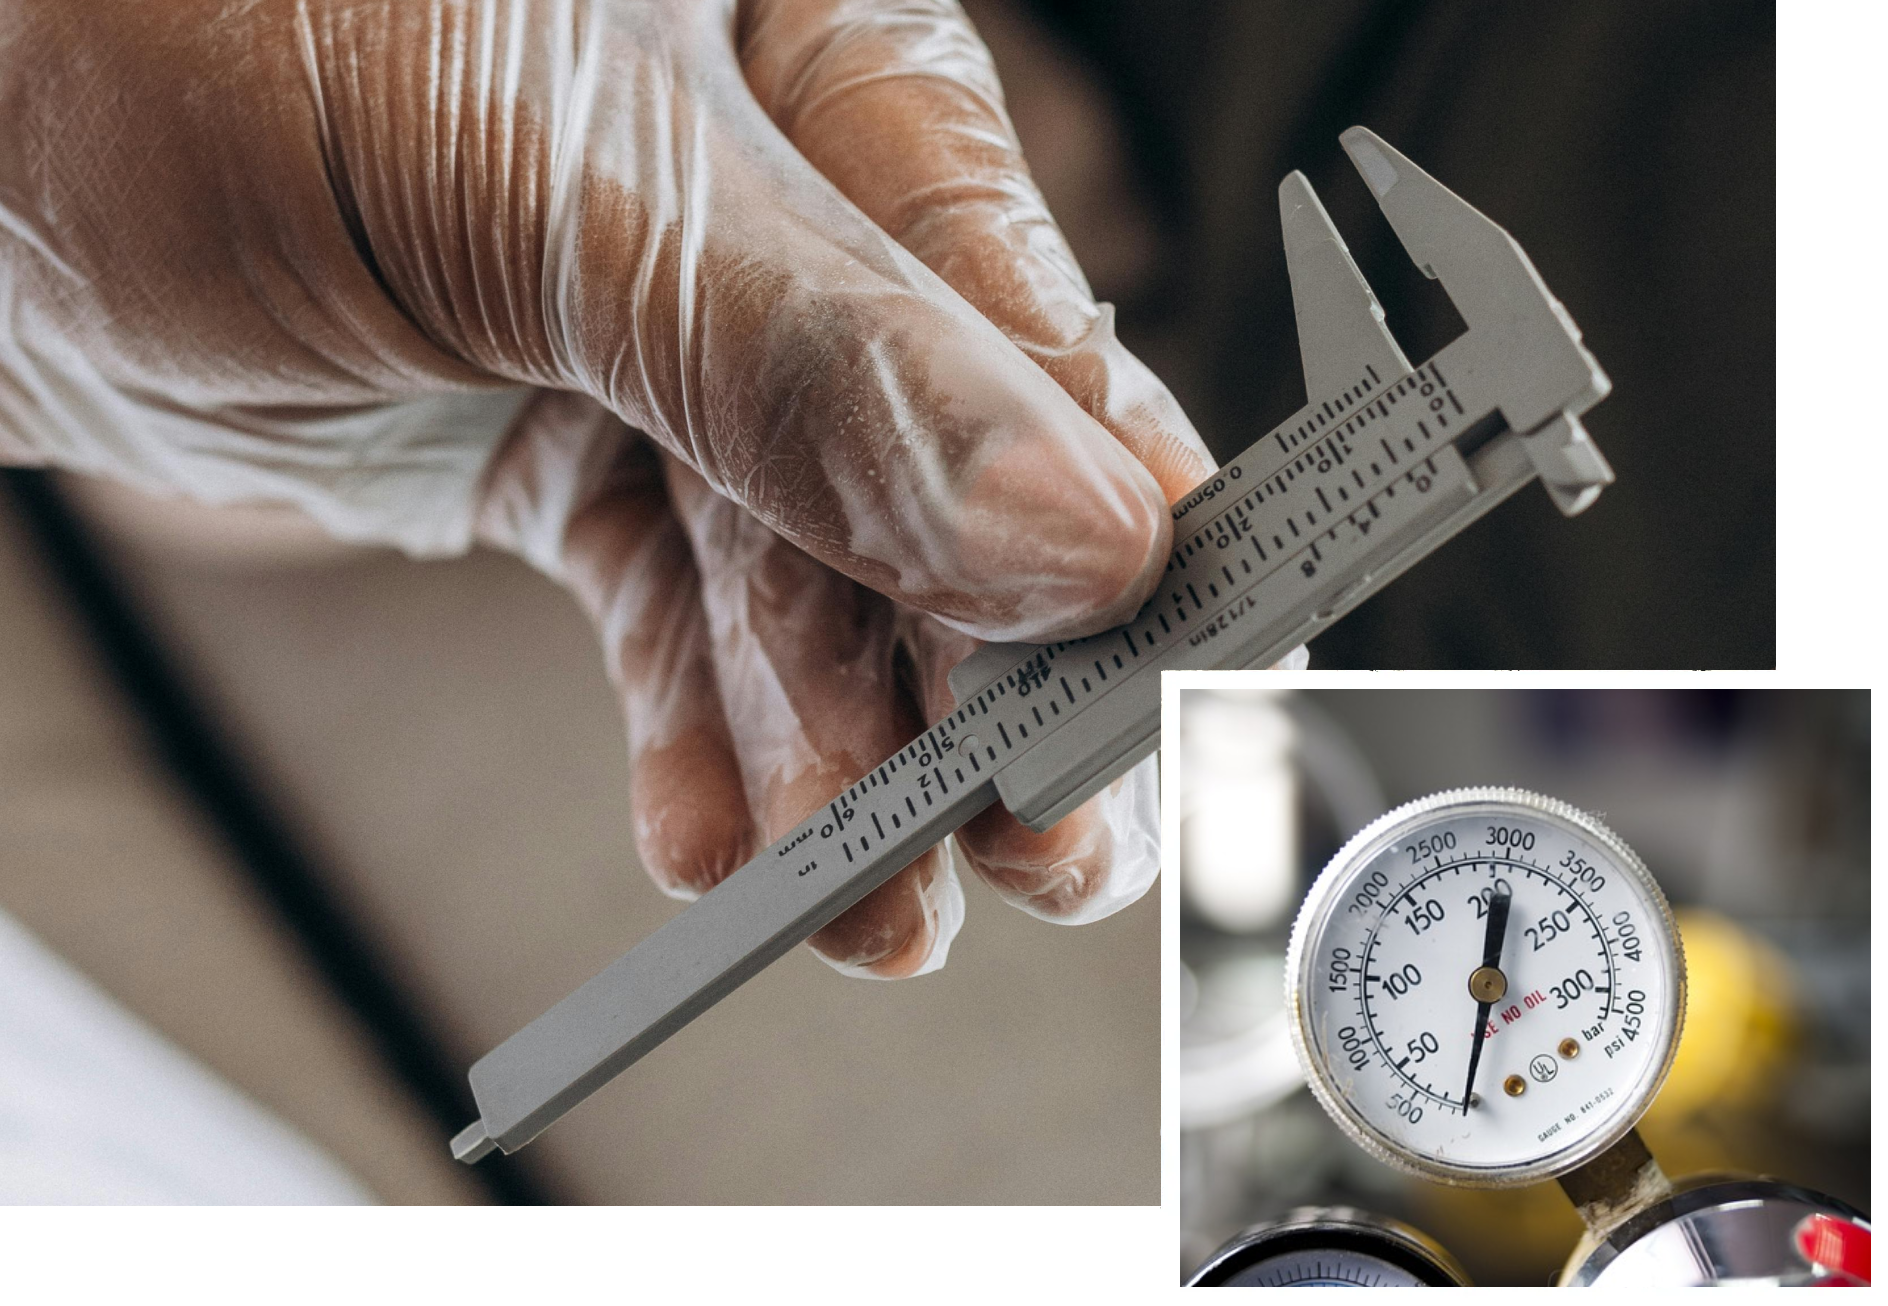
{"type": "Point", "coordinates": [273, 248]}
{"type": "Point", "coordinates": [341, 252]}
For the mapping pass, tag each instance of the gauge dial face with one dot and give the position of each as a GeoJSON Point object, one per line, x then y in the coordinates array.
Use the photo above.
{"type": "Point", "coordinates": [1330, 1247]}
{"type": "Point", "coordinates": [1324, 1269]}
{"type": "Point", "coordinates": [1487, 987]}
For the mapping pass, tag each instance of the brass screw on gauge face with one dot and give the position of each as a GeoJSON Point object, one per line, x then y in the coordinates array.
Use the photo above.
{"type": "Point", "coordinates": [1569, 1048]}
{"type": "Point", "coordinates": [1487, 984]}
{"type": "Point", "coordinates": [1515, 1085]}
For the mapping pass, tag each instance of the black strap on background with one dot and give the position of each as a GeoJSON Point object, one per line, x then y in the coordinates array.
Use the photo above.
{"type": "Point", "coordinates": [187, 743]}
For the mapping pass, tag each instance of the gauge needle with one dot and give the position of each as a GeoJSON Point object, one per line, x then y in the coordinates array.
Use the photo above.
{"type": "Point", "coordinates": [1487, 985]}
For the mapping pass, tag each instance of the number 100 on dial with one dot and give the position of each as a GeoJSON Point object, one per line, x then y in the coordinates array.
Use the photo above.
{"type": "Point", "coordinates": [1487, 987]}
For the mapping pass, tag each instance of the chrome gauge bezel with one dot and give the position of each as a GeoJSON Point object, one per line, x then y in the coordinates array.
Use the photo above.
{"type": "Point", "coordinates": [1327, 894]}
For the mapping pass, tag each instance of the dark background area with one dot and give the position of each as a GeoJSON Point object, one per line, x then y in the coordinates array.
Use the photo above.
{"type": "Point", "coordinates": [1629, 148]}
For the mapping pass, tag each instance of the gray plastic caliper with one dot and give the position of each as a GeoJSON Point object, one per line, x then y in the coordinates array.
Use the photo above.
{"type": "Point", "coordinates": [1384, 464]}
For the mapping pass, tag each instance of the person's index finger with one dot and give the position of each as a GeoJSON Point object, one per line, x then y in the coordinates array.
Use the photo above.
{"type": "Point", "coordinates": [902, 111]}
{"type": "Point", "coordinates": [899, 106]}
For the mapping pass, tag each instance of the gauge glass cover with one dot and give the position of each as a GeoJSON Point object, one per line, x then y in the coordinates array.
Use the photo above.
{"type": "Point", "coordinates": [1324, 1269]}
{"type": "Point", "coordinates": [1383, 986]}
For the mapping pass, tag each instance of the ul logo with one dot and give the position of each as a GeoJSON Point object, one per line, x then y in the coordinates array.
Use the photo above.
{"type": "Point", "coordinates": [1542, 1068]}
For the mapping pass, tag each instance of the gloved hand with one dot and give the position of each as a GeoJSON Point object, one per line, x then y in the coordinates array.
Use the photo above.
{"type": "Point", "coordinates": [426, 268]}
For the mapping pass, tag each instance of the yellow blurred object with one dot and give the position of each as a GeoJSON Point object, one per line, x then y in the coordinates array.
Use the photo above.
{"type": "Point", "coordinates": [1512, 1235]}
{"type": "Point", "coordinates": [1740, 1021]}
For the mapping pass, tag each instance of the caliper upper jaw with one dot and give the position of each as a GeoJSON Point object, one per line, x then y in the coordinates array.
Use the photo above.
{"type": "Point", "coordinates": [1521, 342]}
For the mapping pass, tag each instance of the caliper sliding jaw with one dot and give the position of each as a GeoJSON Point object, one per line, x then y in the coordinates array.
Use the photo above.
{"type": "Point", "coordinates": [1522, 351]}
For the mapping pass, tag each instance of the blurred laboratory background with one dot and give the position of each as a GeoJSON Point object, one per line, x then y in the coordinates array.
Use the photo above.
{"type": "Point", "coordinates": [1751, 808]}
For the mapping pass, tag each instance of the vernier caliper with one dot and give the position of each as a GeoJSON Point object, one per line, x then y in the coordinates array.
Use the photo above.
{"type": "Point", "coordinates": [1384, 464]}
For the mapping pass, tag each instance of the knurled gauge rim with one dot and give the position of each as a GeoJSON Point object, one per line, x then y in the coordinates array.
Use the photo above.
{"type": "Point", "coordinates": [1363, 847]}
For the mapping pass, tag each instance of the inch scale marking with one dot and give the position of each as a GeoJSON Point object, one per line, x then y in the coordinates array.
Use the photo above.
{"type": "Point", "coordinates": [1384, 464]}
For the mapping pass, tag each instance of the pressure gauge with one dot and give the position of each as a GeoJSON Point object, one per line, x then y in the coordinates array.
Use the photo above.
{"type": "Point", "coordinates": [1486, 988]}
{"type": "Point", "coordinates": [1330, 1247]}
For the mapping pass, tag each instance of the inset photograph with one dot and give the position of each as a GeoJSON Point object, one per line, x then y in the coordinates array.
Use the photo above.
{"type": "Point", "coordinates": [1519, 986]}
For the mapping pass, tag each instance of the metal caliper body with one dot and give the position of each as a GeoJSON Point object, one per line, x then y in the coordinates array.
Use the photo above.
{"type": "Point", "coordinates": [1384, 464]}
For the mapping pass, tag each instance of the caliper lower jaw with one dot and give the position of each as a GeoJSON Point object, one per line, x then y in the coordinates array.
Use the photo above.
{"type": "Point", "coordinates": [1569, 464]}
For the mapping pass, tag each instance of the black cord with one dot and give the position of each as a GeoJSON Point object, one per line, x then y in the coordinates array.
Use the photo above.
{"type": "Point", "coordinates": [210, 772]}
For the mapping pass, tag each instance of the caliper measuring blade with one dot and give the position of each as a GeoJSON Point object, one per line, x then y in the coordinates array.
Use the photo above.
{"type": "Point", "coordinates": [1383, 465]}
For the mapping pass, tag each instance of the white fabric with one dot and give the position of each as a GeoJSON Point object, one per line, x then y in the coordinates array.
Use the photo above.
{"type": "Point", "coordinates": [98, 1108]}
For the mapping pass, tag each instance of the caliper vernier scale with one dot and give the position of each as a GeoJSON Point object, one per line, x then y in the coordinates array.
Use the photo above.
{"type": "Point", "coordinates": [1384, 464]}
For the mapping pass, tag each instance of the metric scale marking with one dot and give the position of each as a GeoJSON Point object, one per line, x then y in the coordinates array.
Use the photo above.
{"type": "Point", "coordinates": [1385, 464]}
